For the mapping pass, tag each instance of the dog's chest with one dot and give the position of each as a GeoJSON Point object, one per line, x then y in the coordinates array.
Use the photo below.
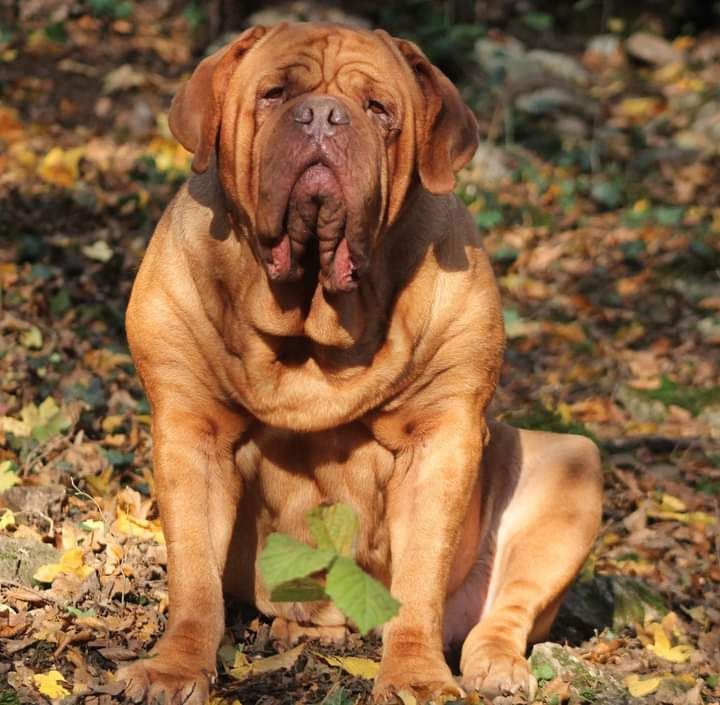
{"type": "Point", "coordinates": [287, 474]}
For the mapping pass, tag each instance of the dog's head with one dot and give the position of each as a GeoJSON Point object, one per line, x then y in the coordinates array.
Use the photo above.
{"type": "Point", "coordinates": [319, 132]}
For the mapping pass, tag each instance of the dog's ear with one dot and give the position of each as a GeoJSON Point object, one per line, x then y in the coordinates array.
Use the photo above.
{"type": "Point", "coordinates": [196, 109]}
{"type": "Point", "coordinates": [446, 131]}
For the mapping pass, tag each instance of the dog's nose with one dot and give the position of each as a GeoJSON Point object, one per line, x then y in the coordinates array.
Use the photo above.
{"type": "Point", "coordinates": [320, 115]}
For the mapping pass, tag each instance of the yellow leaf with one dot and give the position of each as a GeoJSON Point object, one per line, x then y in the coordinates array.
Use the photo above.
{"type": "Point", "coordinates": [407, 697]}
{"type": "Point", "coordinates": [640, 687]}
{"type": "Point", "coordinates": [134, 526]}
{"type": "Point", "coordinates": [169, 155]}
{"type": "Point", "coordinates": [71, 563]}
{"type": "Point", "coordinates": [32, 338]}
{"type": "Point", "coordinates": [99, 251]}
{"type": "Point", "coordinates": [672, 504]}
{"type": "Point", "coordinates": [663, 648]}
{"type": "Point", "coordinates": [17, 428]}
{"type": "Point", "coordinates": [100, 483]}
{"type": "Point", "coordinates": [8, 478]}
{"type": "Point", "coordinates": [354, 665]}
{"type": "Point", "coordinates": [110, 423]}
{"type": "Point", "coordinates": [565, 412]}
{"type": "Point", "coordinates": [7, 519]}
{"type": "Point", "coordinates": [702, 518]}
{"type": "Point", "coordinates": [244, 668]}
{"type": "Point", "coordinates": [60, 167]}
{"type": "Point", "coordinates": [639, 108]}
{"type": "Point", "coordinates": [37, 416]}
{"type": "Point", "coordinates": [49, 684]}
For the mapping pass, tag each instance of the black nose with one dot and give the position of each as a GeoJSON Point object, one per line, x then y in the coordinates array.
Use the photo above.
{"type": "Point", "coordinates": [320, 115]}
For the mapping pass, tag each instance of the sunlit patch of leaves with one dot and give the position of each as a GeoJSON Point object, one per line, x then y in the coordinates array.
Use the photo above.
{"type": "Point", "coordinates": [694, 399]}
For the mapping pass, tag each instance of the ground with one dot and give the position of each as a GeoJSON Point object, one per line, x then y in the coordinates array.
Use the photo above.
{"type": "Point", "coordinates": [597, 189]}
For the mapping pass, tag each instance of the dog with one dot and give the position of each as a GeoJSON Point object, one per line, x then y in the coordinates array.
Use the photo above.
{"type": "Point", "coordinates": [315, 320]}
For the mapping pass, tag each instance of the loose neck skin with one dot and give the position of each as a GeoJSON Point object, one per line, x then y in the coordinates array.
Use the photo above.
{"type": "Point", "coordinates": [300, 358]}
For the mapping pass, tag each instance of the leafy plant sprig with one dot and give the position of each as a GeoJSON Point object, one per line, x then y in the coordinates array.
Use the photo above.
{"type": "Point", "coordinates": [289, 568]}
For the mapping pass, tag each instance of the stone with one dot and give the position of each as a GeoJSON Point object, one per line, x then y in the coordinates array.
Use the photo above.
{"type": "Point", "coordinates": [652, 49]}
{"type": "Point", "coordinates": [588, 683]}
{"type": "Point", "coordinates": [605, 601]}
{"type": "Point", "coordinates": [38, 499]}
{"type": "Point", "coordinates": [20, 558]}
{"type": "Point", "coordinates": [560, 65]}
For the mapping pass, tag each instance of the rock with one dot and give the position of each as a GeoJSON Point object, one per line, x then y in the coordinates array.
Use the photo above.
{"type": "Point", "coordinates": [639, 407]}
{"type": "Point", "coordinates": [707, 120]}
{"type": "Point", "coordinates": [652, 49]}
{"type": "Point", "coordinates": [605, 601]}
{"type": "Point", "coordinates": [544, 101]}
{"type": "Point", "coordinates": [549, 661]}
{"type": "Point", "coordinates": [490, 167]}
{"type": "Point", "coordinates": [694, 141]}
{"type": "Point", "coordinates": [635, 601]}
{"type": "Point", "coordinates": [605, 45]}
{"type": "Point", "coordinates": [711, 416]}
{"type": "Point", "coordinates": [20, 558]}
{"type": "Point", "coordinates": [503, 60]}
{"type": "Point", "coordinates": [560, 65]}
{"type": "Point", "coordinates": [34, 498]}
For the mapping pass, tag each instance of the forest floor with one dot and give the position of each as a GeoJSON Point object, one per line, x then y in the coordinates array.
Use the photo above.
{"type": "Point", "coordinates": [598, 191]}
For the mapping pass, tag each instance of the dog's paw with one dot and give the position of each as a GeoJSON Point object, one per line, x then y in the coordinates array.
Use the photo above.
{"type": "Point", "coordinates": [426, 679]}
{"type": "Point", "coordinates": [286, 633]}
{"type": "Point", "coordinates": [167, 680]}
{"type": "Point", "coordinates": [497, 670]}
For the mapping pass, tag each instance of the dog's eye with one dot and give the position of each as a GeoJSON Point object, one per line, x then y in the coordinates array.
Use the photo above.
{"type": "Point", "coordinates": [376, 107]}
{"type": "Point", "coordinates": [274, 93]}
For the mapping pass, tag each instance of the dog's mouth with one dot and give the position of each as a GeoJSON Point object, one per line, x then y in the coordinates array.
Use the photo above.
{"type": "Point", "coordinates": [314, 234]}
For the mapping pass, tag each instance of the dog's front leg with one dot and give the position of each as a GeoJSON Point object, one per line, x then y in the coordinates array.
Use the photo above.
{"type": "Point", "coordinates": [427, 508]}
{"type": "Point", "coordinates": [198, 492]}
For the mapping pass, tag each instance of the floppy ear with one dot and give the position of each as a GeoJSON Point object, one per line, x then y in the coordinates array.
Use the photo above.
{"type": "Point", "coordinates": [196, 109]}
{"type": "Point", "coordinates": [447, 131]}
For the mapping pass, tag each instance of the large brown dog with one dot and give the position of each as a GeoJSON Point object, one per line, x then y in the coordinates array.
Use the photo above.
{"type": "Point", "coordinates": [315, 320]}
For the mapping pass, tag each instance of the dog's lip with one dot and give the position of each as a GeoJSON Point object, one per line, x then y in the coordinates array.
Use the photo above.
{"type": "Point", "coordinates": [316, 158]}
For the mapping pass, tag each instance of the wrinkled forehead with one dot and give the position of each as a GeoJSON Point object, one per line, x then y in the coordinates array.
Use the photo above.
{"type": "Point", "coordinates": [326, 57]}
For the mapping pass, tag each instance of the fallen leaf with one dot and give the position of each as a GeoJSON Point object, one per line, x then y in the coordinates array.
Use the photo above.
{"type": "Point", "coordinates": [8, 476]}
{"type": "Point", "coordinates": [123, 78]}
{"type": "Point", "coordinates": [640, 687]}
{"type": "Point", "coordinates": [60, 167]}
{"type": "Point", "coordinates": [48, 684]}
{"type": "Point", "coordinates": [354, 665]}
{"type": "Point", "coordinates": [71, 563]}
{"type": "Point", "coordinates": [244, 668]}
{"type": "Point", "coordinates": [32, 338]}
{"type": "Point", "coordinates": [663, 648]}
{"type": "Point", "coordinates": [141, 528]}
{"type": "Point", "coordinates": [7, 519]}
{"type": "Point", "coordinates": [99, 251]}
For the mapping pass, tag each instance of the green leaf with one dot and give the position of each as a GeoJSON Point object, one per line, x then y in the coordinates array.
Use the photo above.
{"type": "Point", "coordinates": [60, 303]}
{"type": "Point", "coordinates": [300, 590]}
{"type": "Point", "coordinates": [489, 218]}
{"type": "Point", "coordinates": [539, 21]}
{"type": "Point", "coordinates": [341, 697]}
{"type": "Point", "coordinates": [543, 671]}
{"type": "Point", "coordinates": [76, 612]}
{"type": "Point", "coordinates": [334, 528]}
{"type": "Point", "coordinates": [8, 476]}
{"type": "Point", "coordinates": [362, 598]}
{"type": "Point", "coordinates": [284, 559]}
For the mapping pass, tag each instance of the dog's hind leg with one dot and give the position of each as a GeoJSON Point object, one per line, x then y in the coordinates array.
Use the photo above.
{"type": "Point", "coordinates": [544, 533]}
